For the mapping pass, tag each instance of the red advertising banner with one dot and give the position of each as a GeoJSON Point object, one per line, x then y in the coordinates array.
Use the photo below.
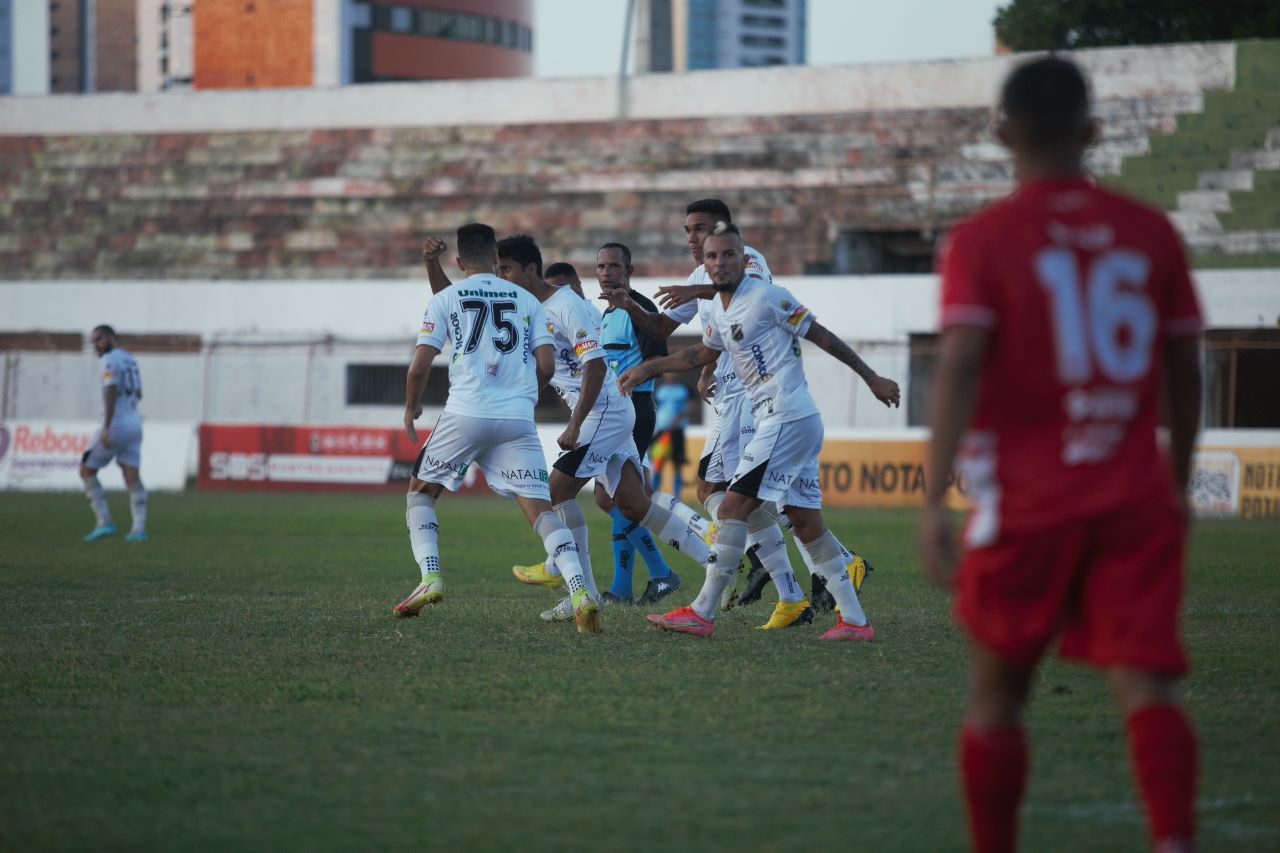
{"type": "Point", "coordinates": [327, 458]}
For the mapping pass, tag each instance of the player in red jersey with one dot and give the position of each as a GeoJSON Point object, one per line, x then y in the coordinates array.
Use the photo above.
{"type": "Point", "coordinates": [1067, 310]}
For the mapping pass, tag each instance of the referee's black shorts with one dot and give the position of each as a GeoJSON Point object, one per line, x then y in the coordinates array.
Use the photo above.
{"type": "Point", "coordinates": [646, 417]}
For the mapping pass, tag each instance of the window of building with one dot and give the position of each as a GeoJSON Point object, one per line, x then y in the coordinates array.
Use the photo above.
{"type": "Point", "coordinates": [883, 251]}
{"type": "Point", "coordinates": [765, 4]}
{"type": "Point", "coordinates": [762, 41]}
{"type": "Point", "coordinates": [401, 19]}
{"type": "Point", "coordinates": [1241, 370]}
{"type": "Point", "coordinates": [771, 22]}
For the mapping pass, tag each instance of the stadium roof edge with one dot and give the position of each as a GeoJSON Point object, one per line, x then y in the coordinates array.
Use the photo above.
{"type": "Point", "coordinates": [1123, 72]}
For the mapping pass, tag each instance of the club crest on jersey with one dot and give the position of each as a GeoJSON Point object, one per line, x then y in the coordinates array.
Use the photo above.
{"type": "Point", "coordinates": [797, 315]}
{"type": "Point", "coordinates": [580, 334]}
{"type": "Point", "coordinates": [785, 305]}
{"type": "Point", "coordinates": [551, 330]}
{"type": "Point", "coordinates": [735, 331]}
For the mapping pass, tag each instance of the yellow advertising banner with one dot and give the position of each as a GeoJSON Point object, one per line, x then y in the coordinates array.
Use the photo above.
{"type": "Point", "coordinates": [1243, 481]}
{"type": "Point", "coordinates": [860, 473]}
{"type": "Point", "coordinates": [1228, 480]}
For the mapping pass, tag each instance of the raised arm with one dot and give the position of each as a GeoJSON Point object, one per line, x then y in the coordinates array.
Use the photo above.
{"type": "Point", "coordinates": [885, 390]}
{"type": "Point", "coordinates": [688, 358]}
{"type": "Point", "coordinates": [432, 249]}
{"type": "Point", "coordinates": [414, 384]}
{"type": "Point", "coordinates": [650, 322]}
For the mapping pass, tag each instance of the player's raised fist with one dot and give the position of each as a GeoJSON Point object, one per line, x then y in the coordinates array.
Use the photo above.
{"type": "Point", "coordinates": [432, 249]}
{"type": "Point", "coordinates": [885, 390]}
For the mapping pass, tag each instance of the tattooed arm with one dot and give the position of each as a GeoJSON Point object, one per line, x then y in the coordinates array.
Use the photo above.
{"type": "Point", "coordinates": [885, 390]}
{"type": "Point", "coordinates": [687, 359]}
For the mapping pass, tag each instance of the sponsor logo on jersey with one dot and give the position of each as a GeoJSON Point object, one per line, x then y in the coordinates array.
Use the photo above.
{"type": "Point", "coordinates": [797, 315]}
{"type": "Point", "coordinates": [551, 330]}
{"type": "Point", "coordinates": [584, 347]}
{"type": "Point", "coordinates": [735, 331]}
{"type": "Point", "coordinates": [762, 367]}
{"type": "Point", "coordinates": [596, 458]}
{"type": "Point", "coordinates": [432, 464]}
{"type": "Point", "coordinates": [428, 326]}
{"type": "Point", "coordinates": [710, 331]}
{"type": "Point", "coordinates": [581, 333]}
{"type": "Point", "coordinates": [489, 294]}
{"type": "Point", "coordinates": [518, 474]}
{"type": "Point", "coordinates": [785, 305]}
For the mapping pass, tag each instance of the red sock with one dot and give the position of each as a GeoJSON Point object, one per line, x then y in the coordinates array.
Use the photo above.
{"type": "Point", "coordinates": [994, 766]}
{"type": "Point", "coordinates": [1163, 750]}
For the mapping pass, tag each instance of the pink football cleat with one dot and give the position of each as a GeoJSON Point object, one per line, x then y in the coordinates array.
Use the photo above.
{"type": "Point", "coordinates": [844, 631]}
{"type": "Point", "coordinates": [682, 620]}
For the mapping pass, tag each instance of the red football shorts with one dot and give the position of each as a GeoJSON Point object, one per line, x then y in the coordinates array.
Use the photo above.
{"type": "Point", "coordinates": [1111, 587]}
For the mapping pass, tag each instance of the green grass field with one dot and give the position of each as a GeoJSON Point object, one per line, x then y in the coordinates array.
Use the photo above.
{"type": "Point", "coordinates": [238, 683]}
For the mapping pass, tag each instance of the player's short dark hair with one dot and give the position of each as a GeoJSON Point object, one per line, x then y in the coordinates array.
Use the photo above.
{"type": "Point", "coordinates": [713, 207]}
{"type": "Point", "coordinates": [105, 328]}
{"type": "Point", "coordinates": [476, 242]}
{"type": "Point", "coordinates": [626, 253]}
{"type": "Point", "coordinates": [522, 249]}
{"type": "Point", "coordinates": [1047, 100]}
{"type": "Point", "coordinates": [561, 268]}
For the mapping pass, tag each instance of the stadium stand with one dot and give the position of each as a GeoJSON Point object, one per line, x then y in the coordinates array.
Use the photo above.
{"type": "Point", "coordinates": [339, 203]}
{"type": "Point", "coordinates": [1219, 171]}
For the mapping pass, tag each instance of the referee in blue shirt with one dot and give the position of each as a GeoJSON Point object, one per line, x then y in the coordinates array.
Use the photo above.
{"type": "Point", "coordinates": [626, 346]}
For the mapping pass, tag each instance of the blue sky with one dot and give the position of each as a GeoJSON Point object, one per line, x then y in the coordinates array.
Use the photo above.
{"type": "Point", "coordinates": [570, 41]}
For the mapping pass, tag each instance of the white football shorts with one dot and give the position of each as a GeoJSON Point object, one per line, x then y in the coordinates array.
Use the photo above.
{"type": "Point", "coordinates": [126, 447]}
{"type": "Point", "coordinates": [605, 446]}
{"type": "Point", "coordinates": [781, 464]}
{"type": "Point", "coordinates": [726, 439]}
{"type": "Point", "coordinates": [507, 451]}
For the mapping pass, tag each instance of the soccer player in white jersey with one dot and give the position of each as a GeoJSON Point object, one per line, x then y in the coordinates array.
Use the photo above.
{"type": "Point", "coordinates": [733, 428]}
{"type": "Point", "coordinates": [502, 355]}
{"type": "Point", "coordinates": [598, 442]}
{"type": "Point", "coordinates": [759, 325]}
{"type": "Point", "coordinates": [119, 438]}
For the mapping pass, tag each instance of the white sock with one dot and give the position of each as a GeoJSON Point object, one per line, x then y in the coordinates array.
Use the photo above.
{"type": "Point", "coordinates": [664, 524]}
{"type": "Point", "coordinates": [722, 566]}
{"type": "Point", "coordinates": [97, 499]}
{"type": "Point", "coordinates": [681, 511]}
{"type": "Point", "coordinates": [570, 513]}
{"type": "Point", "coordinates": [829, 564]}
{"type": "Point", "coordinates": [712, 503]}
{"type": "Point", "coordinates": [138, 504]}
{"type": "Point", "coordinates": [762, 531]}
{"type": "Point", "coordinates": [561, 550]}
{"type": "Point", "coordinates": [424, 533]}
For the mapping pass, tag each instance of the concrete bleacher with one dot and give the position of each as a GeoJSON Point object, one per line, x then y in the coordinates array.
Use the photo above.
{"type": "Point", "coordinates": [352, 195]}
{"type": "Point", "coordinates": [1218, 170]}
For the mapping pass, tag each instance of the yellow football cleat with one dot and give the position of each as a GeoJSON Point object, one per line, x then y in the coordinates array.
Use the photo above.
{"type": "Point", "coordinates": [427, 592]}
{"type": "Point", "coordinates": [586, 613]}
{"type": "Point", "coordinates": [536, 575]}
{"type": "Point", "coordinates": [858, 570]}
{"type": "Point", "coordinates": [788, 614]}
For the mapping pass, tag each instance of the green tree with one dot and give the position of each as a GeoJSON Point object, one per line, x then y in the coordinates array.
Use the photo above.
{"type": "Point", "coordinates": [1067, 24]}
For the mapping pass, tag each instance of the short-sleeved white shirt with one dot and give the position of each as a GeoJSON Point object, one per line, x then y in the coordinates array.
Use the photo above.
{"type": "Point", "coordinates": [575, 325]}
{"type": "Point", "coordinates": [760, 330]}
{"type": "Point", "coordinates": [727, 382]}
{"type": "Point", "coordinates": [121, 371]}
{"type": "Point", "coordinates": [493, 327]}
